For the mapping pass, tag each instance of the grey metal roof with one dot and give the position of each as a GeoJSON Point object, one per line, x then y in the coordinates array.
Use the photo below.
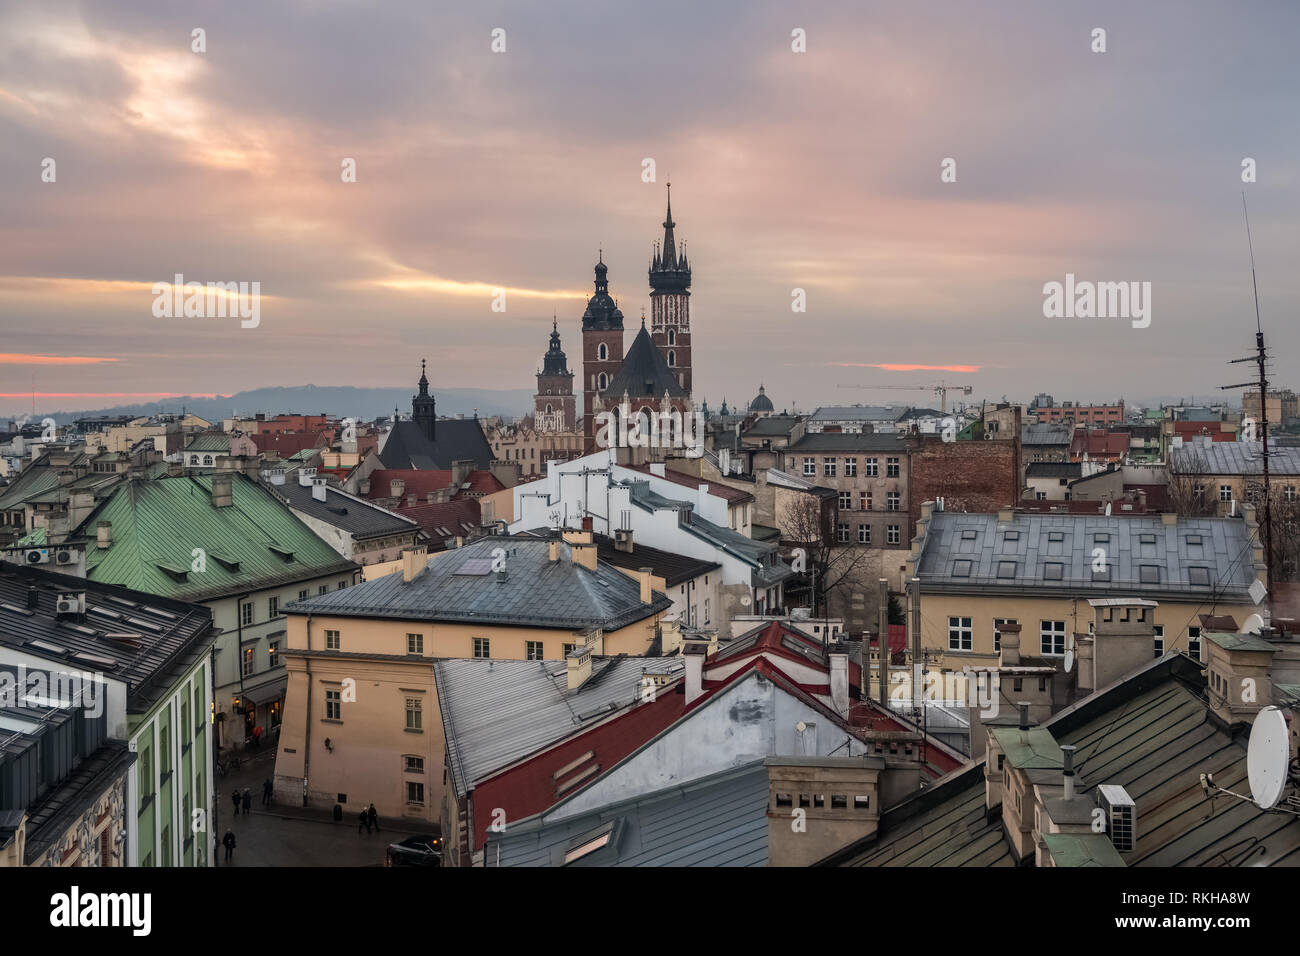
{"type": "Point", "coordinates": [774, 425]}
{"type": "Point", "coordinates": [858, 413]}
{"type": "Point", "coordinates": [1054, 469]}
{"type": "Point", "coordinates": [974, 551]}
{"type": "Point", "coordinates": [720, 820]}
{"type": "Point", "coordinates": [359, 518]}
{"type": "Point", "coordinates": [849, 441]}
{"type": "Point", "coordinates": [1046, 433]}
{"type": "Point", "coordinates": [536, 591]}
{"type": "Point", "coordinates": [495, 712]}
{"type": "Point", "coordinates": [1234, 458]}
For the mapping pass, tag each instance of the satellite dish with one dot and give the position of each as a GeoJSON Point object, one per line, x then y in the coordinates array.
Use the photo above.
{"type": "Point", "coordinates": [1253, 625]}
{"type": "Point", "coordinates": [1268, 758]}
{"type": "Point", "coordinates": [1069, 660]}
{"type": "Point", "coordinates": [801, 726]}
{"type": "Point", "coordinates": [1257, 590]}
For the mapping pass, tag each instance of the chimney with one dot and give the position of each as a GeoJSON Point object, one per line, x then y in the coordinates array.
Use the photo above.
{"type": "Point", "coordinates": [305, 476]}
{"type": "Point", "coordinates": [694, 654]}
{"type": "Point", "coordinates": [103, 534]}
{"type": "Point", "coordinates": [882, 626]}
{"type": "Point", "coordinates": [1169, 519]}
{"type": "Point", "coordinates": [222, 496]}
{"type": "Point", "coordinates": [647, 592]}
{"type": "Point", "coordinates": [1010, 644]}
{"type": "Point", "coordinates": [175, 468]}
{"type": "Point", "coordinates": [430, 498]}
{"type": "Point", "coordinates": [1023, 705]}
{"type": "Point", "coordinates": [553, 551]}
{"type": "Point", "coordinates": [396, 488]}
{"type": "Point", "coordinates": [460, 471]}
{"type": "Point", "coordinates": [1067, 758]}
{"type": "Point", "coordinates": [412, 500]}
{"type": "Point", "coordinates": [318, 489]}
{"type": "Point", "coordinates": [839, 664]}
{"type": "Point", "coordinates": [1006, 516]}
{"type": "Point", "coordinates": [275, 476]}
{"type": "Point", "coordinates": [414, 561]}
{"type": "Point", "coordinates": [584, 555]}
{"type": "Point", "coordinates": [623, 540]}
{"type": "Point", "coordinates": [578, 664]}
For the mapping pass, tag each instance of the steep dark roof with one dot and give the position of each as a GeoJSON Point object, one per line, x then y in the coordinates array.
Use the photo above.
{"type": "Point", "coordinates": [673, 568]}
{"type": "Point", "coordinates": [357, 517]}
{"type": "Point", "coordinates": [644, 372]}
{"type": "Point", "coordinates": [454, 440]}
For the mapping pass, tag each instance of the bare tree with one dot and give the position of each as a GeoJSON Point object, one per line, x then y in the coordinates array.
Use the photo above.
{"type": "Point", "coordinates": [1188, 491]}
{"type": "Point", "coordinates": [836, 568]}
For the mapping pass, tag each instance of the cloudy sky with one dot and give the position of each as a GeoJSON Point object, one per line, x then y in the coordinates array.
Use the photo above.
{"type": "Point", "coordinates": [479, 170]}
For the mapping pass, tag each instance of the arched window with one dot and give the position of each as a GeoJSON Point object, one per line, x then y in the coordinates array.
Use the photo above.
{"type": "Point", "coordinates": [672, 336]}
{"type": "Point", "coordinates": [602, 379]}
{"type": "Point", "coordinates": [194, 459]}
{"type": "Point", "coordinates": [549, 410]}
{"type": "Point", "coordinates": [207, 459]}
{"type": "Point", "coordinates": [602, 353]}
{"type": "Point", "coordinates": [672, 358]}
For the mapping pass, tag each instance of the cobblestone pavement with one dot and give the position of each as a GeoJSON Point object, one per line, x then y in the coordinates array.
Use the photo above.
{"type": "Point", "coordinates": [275, 836]}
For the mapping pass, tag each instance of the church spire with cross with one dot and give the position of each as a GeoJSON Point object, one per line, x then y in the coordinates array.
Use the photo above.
{"type": "Point", "coordinates": [670, 300]}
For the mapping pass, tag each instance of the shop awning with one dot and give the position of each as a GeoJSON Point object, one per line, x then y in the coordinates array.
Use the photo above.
{"type": "Point", "coordinates": [266, 693]}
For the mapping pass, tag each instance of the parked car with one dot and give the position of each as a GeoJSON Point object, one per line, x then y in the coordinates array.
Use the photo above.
{"type": "Point", "coordinates": [415, 851]}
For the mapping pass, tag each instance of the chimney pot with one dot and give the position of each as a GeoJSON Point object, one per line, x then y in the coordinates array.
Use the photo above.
{"type": "Point", "coordinates": [104, 534]}
{"type": "Point", "coordinates": [1024, 714]}
{"type": "Point", "coordinates": [647, 591]}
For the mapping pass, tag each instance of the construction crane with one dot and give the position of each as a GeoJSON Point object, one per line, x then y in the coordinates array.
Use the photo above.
{"type": "Point", "coordinates": [941, 390]}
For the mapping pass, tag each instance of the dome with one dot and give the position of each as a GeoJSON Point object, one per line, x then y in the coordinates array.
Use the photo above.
{"type": "Point", "coordinates": [761, 402]}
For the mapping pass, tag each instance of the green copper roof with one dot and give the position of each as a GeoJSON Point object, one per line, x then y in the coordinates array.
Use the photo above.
{"type": "Point", "coordinates": [1240, 642]}
{"type": "Point", "coordinates": [33, 539]}
{"type": "Point", "coordinates": [256, 542]}
{"type": "Point", "coordinates": [1082, 849]}
{"type": "Point", "coordinates": [1033, 749]}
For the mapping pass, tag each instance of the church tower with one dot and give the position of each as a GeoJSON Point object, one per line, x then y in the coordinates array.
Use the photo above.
{"type": "Point", "coordinates": [554, 409]}
{"type": "Point", "coordinates": [670, 302]}
{"type": "Point", "coordinates": [602, 349]}
{"type": "Point", "coordinates": [422, 407]}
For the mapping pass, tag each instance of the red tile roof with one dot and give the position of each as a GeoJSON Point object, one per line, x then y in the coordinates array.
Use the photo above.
{"type": "Point", "coordinates": [733, 496]}
{"type": "Point", "coordinates": [445, 519]}
{"type": "Point", "coordinates": [288, 444]}
{"type": "Point", "coordinates": [421, 482]}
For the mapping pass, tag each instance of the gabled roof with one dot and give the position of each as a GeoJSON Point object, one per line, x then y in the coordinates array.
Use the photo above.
{"type": "Point", "coordinates": [255, 543]}
{"type": "Point", "coordinates": [455, 439]}
{"type": "Point", "coordinates": [644, 373]}
{"type": "Point", "coordinates": [673, 568]}
{"type": "Point", "coordinates": [356, 516]}
{"type": "Point", "coordinates": [459, 586]}
{"type": "Point", "coordinates": [423, 481]}
{"type": "Point", "coordinates": [446, 519]}
{"type": "Point", "coordinates": [733, 496]}
{"type": "Point", "coordinates": [1234, 458]}
{"type": "Point", "coordinates": [1046, 433]}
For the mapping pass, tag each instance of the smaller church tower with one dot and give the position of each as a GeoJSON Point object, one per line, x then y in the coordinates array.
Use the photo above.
{"type": "Point", "coordinates": [422, 406]}
{"type": "Point", "coordinates": [602, 348]}
{"type": "Point", "coordinates": [670, 302]}
{"type": "Point", "coordinates": [554, 404]}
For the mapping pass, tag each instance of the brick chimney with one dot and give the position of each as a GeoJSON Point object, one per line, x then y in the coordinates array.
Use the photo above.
{"type": "Point", "coordinates": [838, 658]}
{"type": "Point", "coordinates": [414, 561]}
{"type": "Point", "coordinates": [578, 663]}
{"type": "Point", "coordinates": [222, 494]}
{"type": "Point", "coordinates": [396, 488]}
{"type": "Point", "coordinates": [460, 471]}
{"type": "Point", "coordinates": [647, 590]}
{"type": "Point", "coordinates": [694, 654]}
{"type": "Point", "coordinates": [1010, 644]}
{"type": "Point", "coordinates": [318, 489]}
{"type": "Point", "coordinates": [104, 535]}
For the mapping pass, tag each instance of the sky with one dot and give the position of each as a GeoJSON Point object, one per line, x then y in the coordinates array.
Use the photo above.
{"type": "Point", "coordinates": [479, 170]}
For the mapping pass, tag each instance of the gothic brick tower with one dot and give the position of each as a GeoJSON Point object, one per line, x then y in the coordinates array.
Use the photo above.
{"type": "Point", "coordinates": [670, 302]}
{"type": "Point", "coordinates": [602, 349]}
{"type": "Point", "coordinates": [554, 404]}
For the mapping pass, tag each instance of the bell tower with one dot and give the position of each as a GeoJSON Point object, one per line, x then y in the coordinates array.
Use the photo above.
{"type": "Point", "coordinates": [602, 349]}
{"type": "Point", "coordinates": [670, 301]}
{"type": "Point", "coordinates": [553, 405]}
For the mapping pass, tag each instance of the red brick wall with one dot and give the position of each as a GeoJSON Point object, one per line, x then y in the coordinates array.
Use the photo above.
{"type": "Point", "coordinates": [976, 475]}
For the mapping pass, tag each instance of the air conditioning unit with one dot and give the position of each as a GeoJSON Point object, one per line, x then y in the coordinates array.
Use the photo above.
{"type": "Point", "coordinates": [67, 556]}
{"type": "Point", "coordinates": [1121, 815]}
{"type": "Point", "coordinates": [36, 556]}
{"type": "Point", "coordinates": [71, 603]}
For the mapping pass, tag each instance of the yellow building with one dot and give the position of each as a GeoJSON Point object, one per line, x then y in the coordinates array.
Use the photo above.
{"type": "Point", "coordinates": [362, 723]}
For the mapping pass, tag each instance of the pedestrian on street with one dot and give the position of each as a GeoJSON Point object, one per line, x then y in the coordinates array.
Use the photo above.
{"type": "Point", "coordinates": [372, 819]}
{"type": "Point", "coordinates": [363, 820]}
{"type": "Point", "coordinates": [257, 738]}
{"type": "Point", "coordinates": [266, 792]}
{"type": "Point", "coordinates": [248, 801]}
{"type": "Point", "coordinates": [228, 841]}
{"type": "Point", "coordinates": [234, 796]}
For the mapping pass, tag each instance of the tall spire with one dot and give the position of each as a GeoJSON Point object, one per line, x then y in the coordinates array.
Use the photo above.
{"type": "Point", "coordinates": [670, 244]}
{"type": "Point", "coordinates": [424, 379]}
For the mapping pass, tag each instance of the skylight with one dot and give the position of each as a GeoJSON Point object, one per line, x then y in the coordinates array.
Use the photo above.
{"type": "Point", "coordinates": [1053, 571]}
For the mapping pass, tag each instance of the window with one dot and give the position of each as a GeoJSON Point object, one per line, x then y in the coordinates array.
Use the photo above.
{"type": "Point", "coordinates": [873, 468]}
{"type": "Point", "coordinates": [961, 568]}
{"type": "Point", "coordinates": [414, 714]}
{"type": "Point", "coordinates": [864, 500]}
{"type": "Point", "coordinates": [1101, 574]}
{"type": "Point", "coordinates": [1055, 536]}
{"type": "Point", "coordinates": [207, 459]}
{"type": "Point", "coordinates": [246, 665]}
{"type": "Point", "coordinates": [1011, 536]}
{"type": "Point", "coordinates": [672, 359]}
{"type": "Point", "coordinates": [1194, 643]}
{"type": "Point", "coordinates": [706, 610]}
{"type": "Point", "coordinates": [273, 607]}
{"type": "Point", "coordinates": [1053, 571]}
{"type": "Point", "coordinates": [1160, 640]}
{"type": "Point", "coordinates": [1225, 492]}
{"type": "Point", "coordinates": [333, 705]}
{"type": "Point", "coordinates": [864, 534]}
{"type": "Point", "coordinates": [828, 467]}
{"type": "Point", "coordinates": [894, 534]}
{"type": "Point", "coordinates": [846, 500]}
{"type": "Point", "coordinates": [843, 536]}
{"type": "Point", "coordinates": [323, 589]}
{"type": "Point", "coordinates": [414, 792]}
{"type": "Point", "coordinates": [850, 468]}
{"type": "Point", "coordinates": [1006, 569]}
{"type": "Point", "coordinates": [482, 648]}
{"type": "Point", "coordinates": [602, 353]}
{"type": "Point", "coordinates": [302, 595]}
{"type": "Point", "coordinates": [1289, 493]}
{"type": "Point", "coordinates": [246, 614]}
{"type": "Point", "coordinates": [342, 585]}
{"type": "Point", "coordinates": [1052, 637]}
{"type": "Point", "coordinates": [1198, 576]}
{"type": "Point", "coordinates": [533, 651]}
{"type": "Point", "coordinates": [568, 649]}
{"type": "Point", "coordinates": [672, 336]}
{"type": "Point", "coordinates": [413, 764]}
{"type": "Point", "coordinates": [892, 501]}
{"type": "Point", "coordinates": [415, 643]}
{"type": "Point", "coordinates": [959, 634]}
{"type": "Point", "coordinates": [810, 466]}
{"type": "Point", "coordinates": [891, 467]}
{"type": "Point", "coordinates": [272, 648]}
{"type": "Point", "coordinates": [1149, 574]}
{"type": "Point", "coordinates": [332, 642]}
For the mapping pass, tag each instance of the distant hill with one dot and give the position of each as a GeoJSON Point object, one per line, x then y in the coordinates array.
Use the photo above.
{"type": "Point", "coordinates": [342, 401]}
